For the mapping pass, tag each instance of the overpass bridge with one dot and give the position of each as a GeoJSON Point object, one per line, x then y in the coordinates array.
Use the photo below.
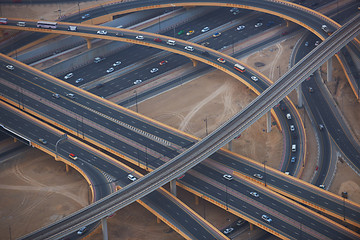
{"type": "Point", "coordinates": [260, 96]}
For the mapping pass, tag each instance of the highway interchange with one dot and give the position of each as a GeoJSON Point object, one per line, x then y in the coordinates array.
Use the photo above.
{"type": "Point", "coordinates": [47, 95]}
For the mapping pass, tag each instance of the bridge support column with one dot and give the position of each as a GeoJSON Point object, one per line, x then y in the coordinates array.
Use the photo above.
{"type": "Point", "coordinates": [88, 42]}
{"type": "Point", "coordinates": [196, 200]}
{"type": "Point", "coordinates": [230, 145]}
{"type": "Point", "coordinates": [104, 229]}
{"type": "Point", "coordinates": [329, 70]}
{"type": "Point", "coordinates": [66, 168]}
{"type": "Point", "coordinates": [251, 227]}
{"type": "Point", "coordinates": [158, 220]}
{"type": "Point", "coordinates": [299, 95]}
{"type": "Point", "coordinates": [268, 121]}
{"type": "Point", "coordinates": [195, 62]}
{"type": "Point", "coordinates": [173, 187]}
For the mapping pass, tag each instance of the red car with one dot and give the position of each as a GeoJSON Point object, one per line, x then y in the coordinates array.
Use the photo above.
{"type": "Point", "coordinates": [163, 62]}
{"type": "Point", "coordinates": [72, 156]}
{"type": "Point", "coordinates": [157, 40]}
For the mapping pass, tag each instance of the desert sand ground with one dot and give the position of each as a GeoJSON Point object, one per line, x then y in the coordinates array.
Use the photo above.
{"type": "Point", "coordinates": [30, 179]}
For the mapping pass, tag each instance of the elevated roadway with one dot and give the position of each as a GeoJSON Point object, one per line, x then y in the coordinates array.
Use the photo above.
{"type": "Point", "coordinates": [104, 174]}
{"type": "Point", "coordinates": [272, 102]}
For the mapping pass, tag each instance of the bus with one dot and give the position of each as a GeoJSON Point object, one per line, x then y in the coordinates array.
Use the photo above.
{"type": "Point", "coordinates": [3, 20]}
{"type": "Point", "coordinates": [44, 24]}
{"type": "Point", "coordinates": [239, 67]}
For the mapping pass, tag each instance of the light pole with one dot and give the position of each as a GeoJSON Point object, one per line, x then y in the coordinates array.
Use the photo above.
{"type": "Point", "coordinates": [63, 137]}
{"type": "Point", "coordinates": [206, 126]}
{"type": "Point", "coordinates": [265, 172]}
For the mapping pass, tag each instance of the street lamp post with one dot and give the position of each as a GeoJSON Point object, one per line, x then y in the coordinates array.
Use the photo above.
{"type": "Point", "coordinates": [63, 137]}
{"type": "Point", "coordinates": [137, 110]}
{"type": "Point", "coordinates": [265, 172]}
{"type": "Point", "coordinates": [206, 126]}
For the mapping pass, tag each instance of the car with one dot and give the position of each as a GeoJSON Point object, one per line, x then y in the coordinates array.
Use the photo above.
{"type": "Point", "coordinates": [69, 75]}
{"type": "Point", "coordinates": [131, 177]}
{"type": "Point", "coordinates": [163, 62]}
{"type": "Point", "coordinates": [139, 37]}
{"type": "Point", "coordinates": [73, 156]}
{"type": "Point", "coordinates": [70, 95]}
{"type": "Point", "coordinates": [119, 34]}
{"type": "Point", "coordinates": [317, 43]}
{"type": "Point", "coordinates": [137, 81]}
{"type": "Point", "coordinates": [102, 32]}
{"type": "Point", "coordinates": [228, 230]}
{"type": "Point", "coordinates": [217, 34]}
{"type": "Point", "coordinates": [311, 90]}
{"type": "Point", "coordinates": [43, 141]}
{"type": "Point", "coordinates": [205, 44]}
{"type": "Point", "coordinates": [293, 159]}
{"type": "Point", "coordinates": [266, 218]}
{"type": "Point", "coordinates": [81, 231]}
{"type": "Point", "coordinates": [100, 85]}
{"type": "Point", "coordinates": [235, 11]}
{"type": "Point", "coordinates": [171, 42]}
{"type": "Point", "coordinates": [293, 148]}
{"type": "Point", "coordinates": [227, 177]}
{"type": "Point", "coordinates": [241, 27]}
{"type": "Point", "coordinates": [117, 63]}
{"type": "Point", "coordinates": [85, 16]}
{"type": "Point", "coordinates": [221, 60]}
{"type": "Point", "coordinates": [55, 95]}
{"type": "Point", "coordinates": [254, 194]}
{"type": "Point", "coordinates": [154, 70]}
{"type": "Point", "coordinates": [322, 186]}
{"type": "Point", "coordinates": [110, 70]}
{"type": "Point", "coordinates": [258, 175]}
{"type": "Point", "coordinates": [180, 32]}
{"type": "Point", "coordinates": [98, 59]}
{"type": "Point", "coordinates": [288, 116]}
{"type": "Point", "coordinates": [189, 48]}
{"type": "Point", "coordinates": [79, 80]}
{"type": "Point", "coordinates": [240, 222]}
{"type": "Point", "coordinates": [287, 173]}
{"type": "Point", "coordinates": [205, 29]}
{"type": "Point", "coordinates": [10, 67]}
{"type": "Point", "coordinates": [258, 24]}
{"type": "Point", "coordinates": [325, 28]}
{"type": "Point", "coordinates": [254, 78]}
{"type": "Point", "coordinates": [284, 33]}
{"type": "Point", "coordinates": [190, 32]}
{"type": "Point", "coordinates": [321, 127]}
{"type": "Point", "coordinates": [157, 40]}
{"type": "Point", "coordinates": [306, 44]}
{"type": "Point", "coordinates": [292, 128]}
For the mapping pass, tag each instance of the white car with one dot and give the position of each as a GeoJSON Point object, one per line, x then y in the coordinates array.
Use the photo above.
{"type": "Point", "coordinates": [140, 37]}
{"type": "Point", "coordinates": [288, 116]}
{"type": "Point", "coordinates": [10, 67]}
{"type": "Point", "coordinates": [70, 95]}
{"type": "Point", "coordinates": [79, 80]}
{"type": "Point", "coordinates": [317, 43]}
{"type": "Point", "coordinates": [258, 175]}
{"type": "Point", "coordinates": [110, 70]}
{"type": "Point", "coordinates": [205, 29]}
{"type": "Point", "coordinates": [132, 178]}
{"type": "Point", "coordinates": [292, 128]}
{"type": "Point", "coordinates": [81, 231]}
{"type": "Point", "coordinates": [117, 63]}
{"type": "Point", "coordinates": [241, 27]}
{"type": "Point", "coordinates": [69, 75]}
{"type": "Point", "coordinates": [227, 177]}
{"type": "Point", "coordinates": [189, 48]}
{"type": "Point", "coordinates": [138, 81]}
{"type": "Point", "coordinates": [254, 78]}
{"type": "Point", "coordinates": [102, 32]}
{"type": "Point", "coordinates": [228, 230]}
{"type": "Point", "coordinates": [154, 70]}
{"type": "Point", "coordinates": [266, 218]}
{"type": "Point", "coordinates": [255, 194]}
{"type": "Point", "coordinates": [259, 24]}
